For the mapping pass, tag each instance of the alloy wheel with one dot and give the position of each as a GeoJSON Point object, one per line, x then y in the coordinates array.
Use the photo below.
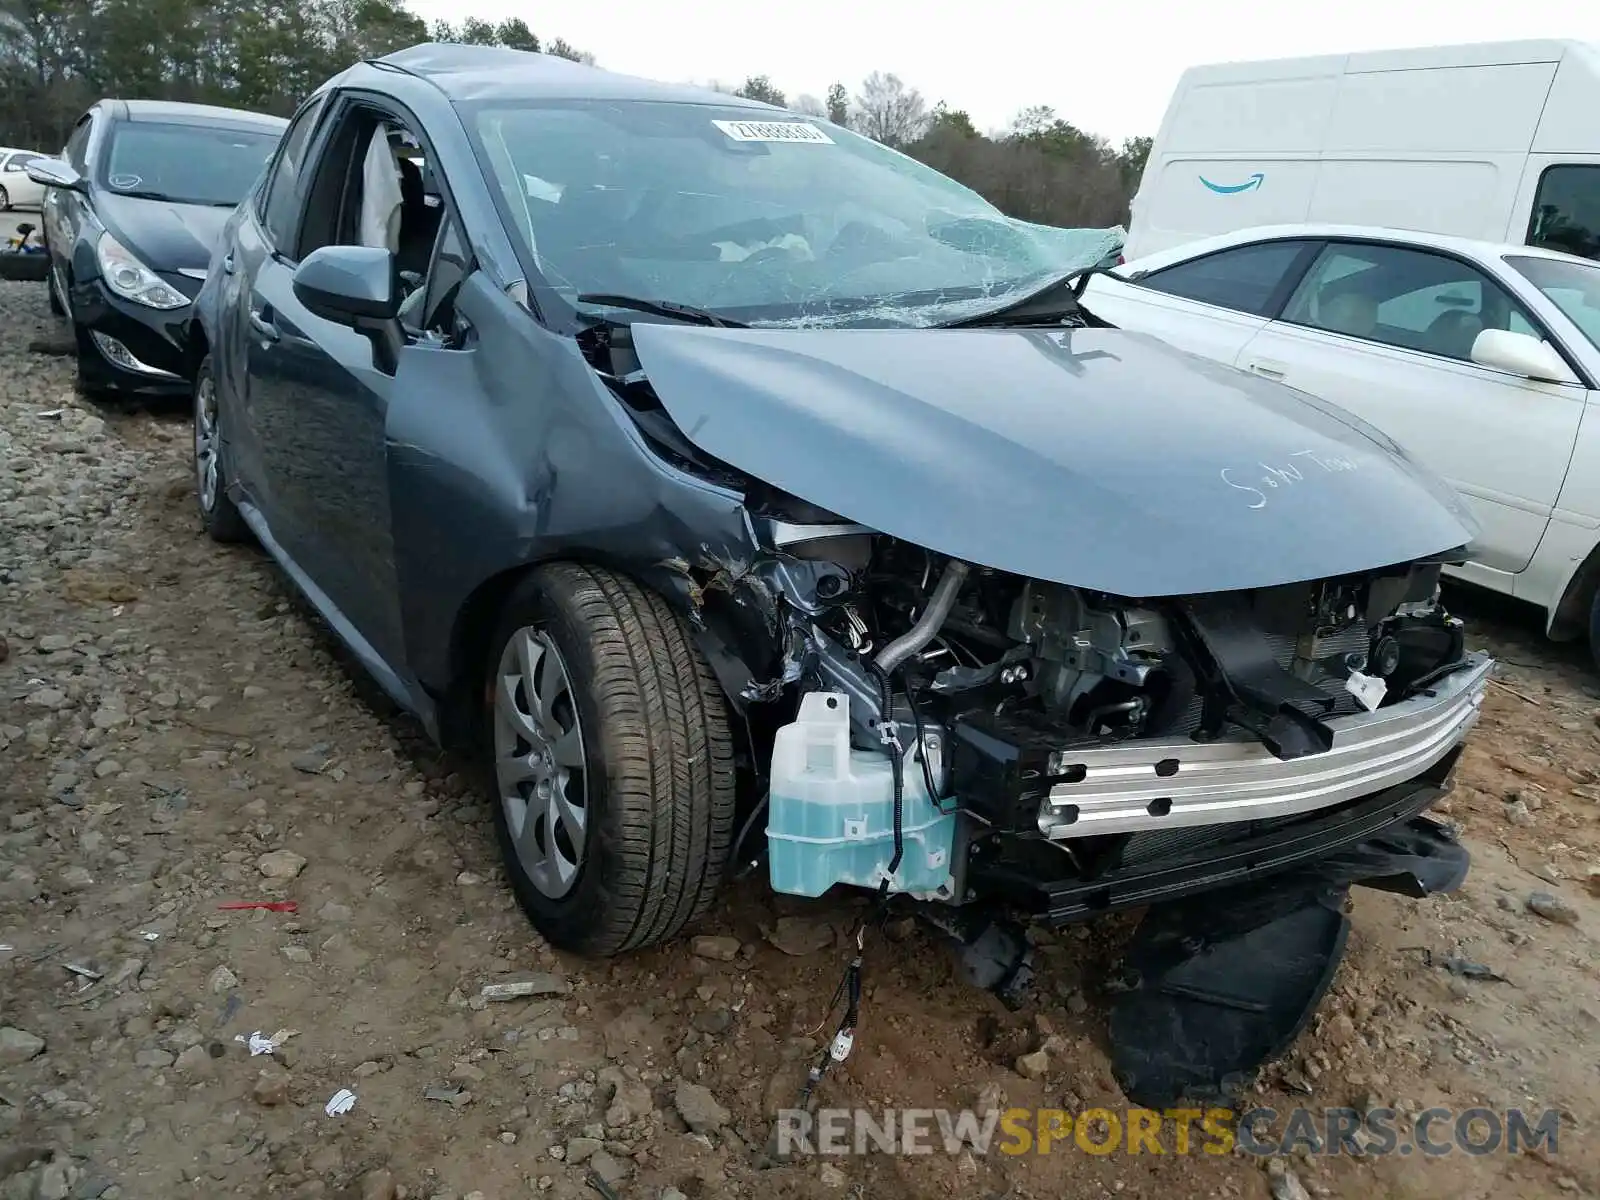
{"type": "Point", "coordinates": [539, 761]}
{"type": "Point", "coordinates": [205, 441]}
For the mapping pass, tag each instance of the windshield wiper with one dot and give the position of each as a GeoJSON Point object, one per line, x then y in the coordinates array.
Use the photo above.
{"type": "Point", "coordinates": [1058, 298]}
{"type": "Point", "coordinates": [141, 195]}
{"type": "Point", "coordinates": [663, 308]}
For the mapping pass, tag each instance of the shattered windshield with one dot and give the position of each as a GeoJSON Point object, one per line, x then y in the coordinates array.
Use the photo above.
{"type": "Point", "coordinates": [780, 221]}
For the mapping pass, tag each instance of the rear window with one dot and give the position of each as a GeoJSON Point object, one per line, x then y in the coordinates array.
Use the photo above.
{"type": "Point", "coordinates": [185, 163]}
{"type": "Point", "coordinates": [1244, 279]}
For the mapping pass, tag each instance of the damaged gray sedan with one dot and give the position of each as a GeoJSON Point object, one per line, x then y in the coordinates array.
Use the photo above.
{"type": "Point", "coordinates": [711, 471]}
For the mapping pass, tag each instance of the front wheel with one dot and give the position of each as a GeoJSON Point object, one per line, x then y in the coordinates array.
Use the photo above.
{"type": "Point", "coordinates": [219, 516]}
{"type": "Point", "coordinates": [5, 199]}
{"type": "Point", "coordinates": [612, 761]}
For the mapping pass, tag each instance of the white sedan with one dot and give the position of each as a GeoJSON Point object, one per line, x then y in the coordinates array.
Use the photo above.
{"type": "Point", "coordinates": [1481, 359]}
{"type": "Point", "coordinates": [16, 189]}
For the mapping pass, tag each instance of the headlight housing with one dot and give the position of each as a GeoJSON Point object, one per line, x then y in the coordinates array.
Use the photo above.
{"type": "Point", "coordinates": [131, 279]}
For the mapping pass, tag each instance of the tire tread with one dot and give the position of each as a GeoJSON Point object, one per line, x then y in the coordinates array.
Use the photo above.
{"type": "Point", "coordinates": [668, 754]}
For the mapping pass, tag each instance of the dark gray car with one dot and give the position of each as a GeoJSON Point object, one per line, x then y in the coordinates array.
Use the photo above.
{"type": "Point", "coordinates": [131, 213]}
{"type": "Point", "coordinates": [709, 470]}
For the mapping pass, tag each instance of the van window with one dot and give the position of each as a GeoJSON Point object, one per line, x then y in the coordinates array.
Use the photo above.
{"type": "Point", "coordinates": [1566, 212]}
{"type": "Point", "coordinates": [1411, 299]}
{"type": "Point", "coordinates": [1244, 278]}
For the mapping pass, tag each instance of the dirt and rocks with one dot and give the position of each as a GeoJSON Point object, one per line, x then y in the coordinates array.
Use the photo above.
{"type": "Point", "coordinates": [176, 736]}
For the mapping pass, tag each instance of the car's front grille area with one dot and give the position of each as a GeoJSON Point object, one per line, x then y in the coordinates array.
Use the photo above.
{"type": "Point", "coordinates": [1353, 640]}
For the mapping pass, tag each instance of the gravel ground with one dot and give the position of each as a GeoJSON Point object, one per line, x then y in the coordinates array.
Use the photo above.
{"type": "Point", "coordinates": [177, 735]}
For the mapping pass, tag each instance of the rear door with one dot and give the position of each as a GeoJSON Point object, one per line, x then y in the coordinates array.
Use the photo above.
{"type": "Point", "coordinates": [264, 237]}
{"type": "Point", "coordinates": [1386, 331]}
{"type": "Point", "coordinates": [1211, 305]}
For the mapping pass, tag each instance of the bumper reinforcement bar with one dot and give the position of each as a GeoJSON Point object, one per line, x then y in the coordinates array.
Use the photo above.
{"type": "Point", "coordinates": [1356, 843]}
{"type": "Point", "coordinates": [1168, 783]}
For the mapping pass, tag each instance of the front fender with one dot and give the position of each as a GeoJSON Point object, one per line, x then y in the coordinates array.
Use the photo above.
{"type": "Point", "coordinates": [513, 452]}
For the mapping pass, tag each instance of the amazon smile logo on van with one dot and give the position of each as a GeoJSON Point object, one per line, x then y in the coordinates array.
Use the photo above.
{"type": "Point", "coordinates": [1231, 189]}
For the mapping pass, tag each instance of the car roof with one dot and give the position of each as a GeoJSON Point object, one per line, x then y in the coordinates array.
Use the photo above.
{"type": "Point", "coordinates": [475, 73]}
{"type": "Point", "coordinates": [191, 114]}
{"type": "Point", "coordinates": [1465, 247]}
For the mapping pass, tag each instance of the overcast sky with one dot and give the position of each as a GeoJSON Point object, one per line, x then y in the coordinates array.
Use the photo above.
{"type": "Point", "coordinates": [1108, 68]}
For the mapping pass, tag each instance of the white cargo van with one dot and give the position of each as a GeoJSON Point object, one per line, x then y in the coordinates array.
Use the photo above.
{"type": "Point", "coordinates": [1498, 142]}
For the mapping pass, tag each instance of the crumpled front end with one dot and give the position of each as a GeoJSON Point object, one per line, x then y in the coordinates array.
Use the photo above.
{"type": "Point", "coordinates": [952, 719]}
{"type": "Point", "coordinates": [1159, 684]}
{"type": "Point", "coordinates": [1106, 677]}
{"type": "Point", "coordinates": [966, 737]}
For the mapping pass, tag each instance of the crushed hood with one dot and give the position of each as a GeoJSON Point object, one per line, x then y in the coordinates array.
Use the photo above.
{"type": "Point", "coordinates": [1099, 458]}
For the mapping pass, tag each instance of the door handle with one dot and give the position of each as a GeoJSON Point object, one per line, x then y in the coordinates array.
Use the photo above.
{"type": "Point", "coordinates": [1272, 370]}
{"type": "Point", "coordinates": [227, 265]}
{"type": "Point", "coordinates": [261, 324]}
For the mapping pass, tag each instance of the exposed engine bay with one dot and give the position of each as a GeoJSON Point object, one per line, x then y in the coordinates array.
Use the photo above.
{"type": "Point", "coordinates": [951, 705]}
{"type": "Point", "coordinates": [1087, 665]}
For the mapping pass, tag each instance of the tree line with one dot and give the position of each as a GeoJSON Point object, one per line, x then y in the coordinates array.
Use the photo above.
{"type": "Point", "coordinates": [59, 56]}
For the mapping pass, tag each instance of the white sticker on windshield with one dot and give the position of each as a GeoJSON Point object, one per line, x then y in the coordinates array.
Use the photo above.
{"type": "Point", "coordinates": [773, 131]}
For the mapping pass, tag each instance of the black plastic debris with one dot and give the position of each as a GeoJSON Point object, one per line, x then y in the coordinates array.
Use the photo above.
{"type": "Point", "coordinates": [991, 951]}
{"type": "Point", "coordinates": [1211, 994]}
{"type": "Point", "coordinates": [1210, 991]}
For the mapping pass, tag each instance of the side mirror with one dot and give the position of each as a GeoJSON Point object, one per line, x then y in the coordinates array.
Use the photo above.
{"type": "Point", "coordinates": [349, 284]}
{"type": "Point", "coordinates": [53, 172]}
{"type": "Point", "coordinates": [357, 286]}
{"type": "Point", "coordinates": [1521, 354]}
